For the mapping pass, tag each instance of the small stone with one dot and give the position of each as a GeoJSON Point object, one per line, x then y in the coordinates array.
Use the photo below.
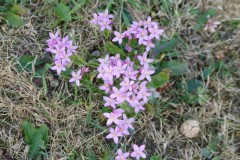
{"type": "Point", "coordinates": [190, 128]}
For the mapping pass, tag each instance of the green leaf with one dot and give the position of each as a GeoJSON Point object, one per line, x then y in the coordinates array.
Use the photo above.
{"type": "Point", "coordinates": [213, 147]}
{"type": "Point", "coordinates": [78, 60]}
{"type": "Point", "coordinates": [165, 46]}
{"type": "Point", "coordinates": [129, 111]}
{"type": "Point", "coordinates": [155, 157]}
{"type": "Point", "coordinates": [159, 80]}
{"type": "Point", "coordinates": [45, 68]}
{"type": "Point", "coordinates": [25, 62]}
{"type": "Point", "coordinates": [63, 12]}
{"type": "Point", "coordinates": [206, 153]}
{"type": "Point", "coordinates": [216, 158]}
{"type": "Point", "coordinates": [112, 49]}
{"type": "Point", "coordinates": [177, 67]}
{"type": "Point", "coordinates": [29, 131]}
{"type": "Point", "coordinates": [17, 9]}
{"type": "Point", "coordinates": [13, 19]}
{"type": "Point", "coordinates": [203, 18]}
{"type": "Point", "coordinates": [43, 130]}
{"type": "Point", "coordinates": [193, 85]}
{"type": "Point", "coordinates": [209, 70]}
{"type": "Point", "coordinates": [126, 18]}
{"type": "Point", "coordinates": [35, 147]}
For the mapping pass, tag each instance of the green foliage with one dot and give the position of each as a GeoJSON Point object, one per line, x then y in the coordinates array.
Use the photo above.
{"type": "Point", "coordinates": [159, 80]}
{"type": "Point", "coordinates": [30, 64]}
{"type": "Point", "coordinates": [63, 12]}
{"type": "Point", "coordinates": [155, 157]}
{"type": "Point", "coordinates": [165, 45]}
{"type": "Point", "coordinates": [45, 68]}
{"type": "Point", "coordinates": [37, 138]}
{"type": "Point", "coordinates": [112, 49]}
{"type": "Point", "coordinates": [193, 85]}
{"type": "Point", "coordinates": [203, 18]}
{"type": "Point", "coordinates": [176, 67]}
{"type": "Point", "coordinates": [78, 60]}
{"type": "Point", "coordinates": [214, 149]}
{"type": "Point", "coordinates": [12, 14]}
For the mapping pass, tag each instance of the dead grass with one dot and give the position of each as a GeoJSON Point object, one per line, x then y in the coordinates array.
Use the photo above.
{"type": "Point", "coordinates": [21, 98]}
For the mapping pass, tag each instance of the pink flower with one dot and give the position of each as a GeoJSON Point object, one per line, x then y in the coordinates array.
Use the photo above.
{"type": "Point", "coordinates": [121, 155]}
{"type": "Point", "coordinates": [155, 32]}
{"type": "Point", "coordinates": [211, 25]}
{"type": "Point", "coordinates": [95, 19]}
{"type": "Point", "coordinates": [110, 102]}
{"type": "Point", "coordinates": [142, 35]}
{"type": "Point", "coordinates": [65, 57]}
{"type": "Point", "coordinates": [106, 86]}
{"type": "Point", "coordinates": [130, 74]}
{"type": "Point", "coordinates": [112, 118]}
{"type": "Point", "coordinates": [143, 93]}
{"type": "Point", "coordinates": [127, 122]}
{"type": "Point", "coordinates": [117, 94]}
{"type": "Point", "coordinates": [139, 107]}
{"type": "Point", "coordinates": [114, 134]}
{"type": "Point", "coordinates": [118, 111]}
{"type": "Point", "coordinates": [143, 59]}
{"type": "Point", "coordinates": [76, 77]}
{"type": "Point", "coordinates": [71, 48]}
{"type": "Point", "coordinates": [105, 24]}
{"type": "Point", "coordinates": [127, 84]}
{"type": "Point", "coordinates": [128, 48]}
{"type": "Point", "coordinates": [138, 152]}
{"type": "Point", "coordinates": [145, 73]}
{"type": "Point", "coordinates": [105, 15]}
{"type": "Point", "coordinates": [148, 43]}
{"type": "Point", "coordinates": [59, 66]}
{"type": "Point", "coordinates": [58, 51]}
{"type": "Point", "coordinates": [118, 37]}
{"type": "Point", "coordinates": [119, 69]}
{"type": "Point", "coordinates": [122, 129]}
{"type": "Point", "coordinates": [105, 60]}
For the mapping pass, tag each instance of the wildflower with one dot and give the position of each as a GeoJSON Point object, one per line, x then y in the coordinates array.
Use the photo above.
{"type": "Point", "coordinates": [76, 77]}
{"type": "Point", "coordinates": [155, 32]}
{"type": "Point", "coordinates": [143, 93]}
{"type": "Point", "coordinates": [139, 107]}
{"type": "Point", "coordinates": [118, 111]}
{"type": "Point", "coordinates": [143, 59]}
{"type": "Point", "coordinates": [65, 57]}
{"type": "Point", "coordinates": [117, 94]}
{"type": "Point", "coordinates": [112, 118]}
{"type": "Point", "coordinates": [59, 66]}
{"type": "Point", "coordinates": [105, 24]}
{"type": "Point", "coordinates": [121, 155]}
{"type": "Point", "coordinates": [118, 37]}
{"type": "Point", "coordinates": [148, 43]}
{"type": "Point", "coordinates": [211, 25]}
{"type": "Point", "coordinates": [123, 130]}
{"type": "Point", "coordinates": [145, 73]}
{"type": "Point", "coordinates": [71, 48]}
{"type": "Point", "coordinates": [127, 84]}
{"type": "Point", "coordinates": [105, 15]}
{"type": "Point", "coordinates": [95, 19]}
{"type": "Point", "coordinates": [127, 122]}
{"type": "Point", "coordinates": [130, 74]}
{"type": "Point", "coordinates": [119, 69]}
{"type": "Point", "coordinates": [138, 152]}
{"type": "Point", "coordinates": [110, 102]}
{"type": "Point", "coordinates": [114, 134]}
{"type": "Point", "coordinates": [106, 86]}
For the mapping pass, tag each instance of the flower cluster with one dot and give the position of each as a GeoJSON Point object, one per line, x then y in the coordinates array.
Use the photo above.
{"type": "Point", "coordinates": [144, 31]}
{"type": "Point", "coordinates": [62, 48]}
{"type": "Point", "coordinates": [104, 20]}
{"type": "Point", "coordinates": [137, 153]}
{"type": "Point", "coordinates": [132, 81]}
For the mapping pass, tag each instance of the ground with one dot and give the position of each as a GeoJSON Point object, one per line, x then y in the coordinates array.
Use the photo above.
{"type": "Point", "coordinates": [77, 128]}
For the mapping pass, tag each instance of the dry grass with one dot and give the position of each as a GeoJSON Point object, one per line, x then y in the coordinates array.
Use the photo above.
{"type": "Point", "coordinates": [22, 98]}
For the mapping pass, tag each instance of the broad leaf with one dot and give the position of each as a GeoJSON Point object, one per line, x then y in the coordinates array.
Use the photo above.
{"type": "Point", "coordinates": [112, 49]}
{"type": "Point", "coordinates": [43, 130]}
{"type": "Point", "coordinates": [13, 19]}
{"type": "Point", "coordinates": [193, 85]}
{"type": "Point", "coordinates": [177, 67]}
{"type": "Point", "coordinates": [35, 147]}
{"type": "Point", "coordinates": [17, 9]}
{"type": "Point", "coordinates": [159, 80]}
{"type": "Point", "coordinates": [63, 12]}
{"type": "Point", "coordinates": [206, 153]}
{"type": "Point", "coordinates": [29, 131]}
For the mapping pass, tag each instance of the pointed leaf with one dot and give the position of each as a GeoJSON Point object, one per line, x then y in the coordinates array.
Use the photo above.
{"type": "Point", "coordinates": [63, 12]}
{"type": "Point", "coordinates": [13, 19]}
